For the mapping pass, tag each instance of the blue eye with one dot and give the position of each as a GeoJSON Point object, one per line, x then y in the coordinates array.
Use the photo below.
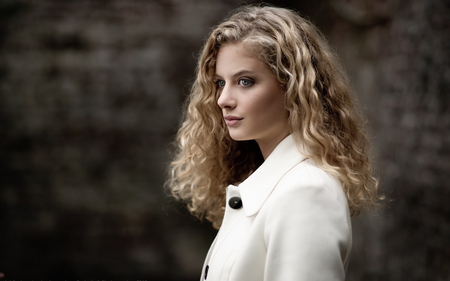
{"type": "Point", "coordinates": [245, 82]}
{"type": "Point", "coordinates": [220, 83]}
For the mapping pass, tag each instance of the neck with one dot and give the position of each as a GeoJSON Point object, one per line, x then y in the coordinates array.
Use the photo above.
{"type": "Point", "coordinates": [267, 146]}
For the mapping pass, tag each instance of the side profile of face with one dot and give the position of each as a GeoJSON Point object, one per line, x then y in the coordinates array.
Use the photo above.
{"type": "Point", "coordinates": [251, 98]}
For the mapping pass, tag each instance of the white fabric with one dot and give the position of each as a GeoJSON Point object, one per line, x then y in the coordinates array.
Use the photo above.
{"type": "Point", "coordinates": [294, 224]}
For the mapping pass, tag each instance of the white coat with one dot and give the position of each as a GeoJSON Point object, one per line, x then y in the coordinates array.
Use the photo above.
{"type": "Point", "coordinates": [294, 224]}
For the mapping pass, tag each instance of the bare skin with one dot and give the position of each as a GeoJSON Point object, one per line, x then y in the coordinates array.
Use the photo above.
{"type": "Point", "coordinates": [251, 98]}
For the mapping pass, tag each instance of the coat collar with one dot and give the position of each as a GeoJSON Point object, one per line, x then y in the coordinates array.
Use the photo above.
{"type": "Point", "coordinates": [258, 186]}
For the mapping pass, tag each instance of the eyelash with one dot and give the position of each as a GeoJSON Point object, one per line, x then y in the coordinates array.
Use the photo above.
{"type": "Point", "coordinates": [218, 83]}
{"type": "Point", "coordinates": [249, 81]}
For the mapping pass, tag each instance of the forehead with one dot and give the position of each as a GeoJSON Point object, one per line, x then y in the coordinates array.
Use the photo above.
{"type": "Point", "coordinates": [237, 57]}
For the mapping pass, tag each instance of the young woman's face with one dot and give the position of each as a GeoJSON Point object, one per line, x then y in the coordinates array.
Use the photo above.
{"type": "Point", "coordinates": [251, 98]}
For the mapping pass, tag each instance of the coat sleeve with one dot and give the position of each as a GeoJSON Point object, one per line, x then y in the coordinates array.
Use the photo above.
{"type": "Point", "coordinates": [307, 231]}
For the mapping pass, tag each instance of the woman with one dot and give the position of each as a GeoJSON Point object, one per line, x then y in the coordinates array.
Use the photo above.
{"type": "Point", "coordinates": [272, 151]}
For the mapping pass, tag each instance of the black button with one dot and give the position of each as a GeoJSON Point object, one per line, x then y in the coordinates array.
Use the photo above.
{"type": "Point", "coordinates": [206, 271]}
{"type": "Point", "coordinates": [235, 203]}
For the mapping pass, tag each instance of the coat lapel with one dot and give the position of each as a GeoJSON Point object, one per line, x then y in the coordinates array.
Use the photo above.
{"type": "Point", "coordinates": [258, 186]}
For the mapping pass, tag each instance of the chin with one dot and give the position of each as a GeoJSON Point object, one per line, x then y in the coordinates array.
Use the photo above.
{"type": "Point", "coordinates": [239, 137]}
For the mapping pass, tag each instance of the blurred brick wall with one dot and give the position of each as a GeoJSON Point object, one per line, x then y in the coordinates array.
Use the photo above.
{"type": "Point", "coordinates": [398, 57]}
{"type": "Point", "coordinates": [91, 93]}
{"type": "Point", "coordinates": [90, 97]}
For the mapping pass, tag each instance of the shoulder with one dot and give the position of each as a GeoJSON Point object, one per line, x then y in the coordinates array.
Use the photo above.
{"type": "Point", "coordinates": [309, 186]}
{"type": "Point", "coordinates": [307, 175]}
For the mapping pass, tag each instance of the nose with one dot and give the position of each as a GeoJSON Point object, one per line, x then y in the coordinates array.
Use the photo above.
{"type": "Point", "coordinates": [226, 98]}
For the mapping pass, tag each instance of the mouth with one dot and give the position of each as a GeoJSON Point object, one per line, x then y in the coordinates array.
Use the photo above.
{"type": "Point", "coordinates": [232, 120]}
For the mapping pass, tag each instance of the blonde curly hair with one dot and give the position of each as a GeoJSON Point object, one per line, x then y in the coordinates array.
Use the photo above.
{"type": "Point", "coordinates": [322, 114]}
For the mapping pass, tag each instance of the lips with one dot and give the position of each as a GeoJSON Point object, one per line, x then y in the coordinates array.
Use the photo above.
{"type": "Point", "coordinates": [231, 120]}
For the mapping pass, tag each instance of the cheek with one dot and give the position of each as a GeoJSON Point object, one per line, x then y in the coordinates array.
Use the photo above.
{"type": "Point", "coordinates": [274, 102]}
{"type": "Point", "coordinates": [270, 110]}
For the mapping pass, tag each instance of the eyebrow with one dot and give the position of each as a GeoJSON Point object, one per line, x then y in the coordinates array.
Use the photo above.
{"type": "Point", "coordinates": [239, 73]}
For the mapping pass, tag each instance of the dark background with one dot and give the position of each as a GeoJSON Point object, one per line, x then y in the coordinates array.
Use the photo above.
{"type": "Point", "coordinates": [90, 98]}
